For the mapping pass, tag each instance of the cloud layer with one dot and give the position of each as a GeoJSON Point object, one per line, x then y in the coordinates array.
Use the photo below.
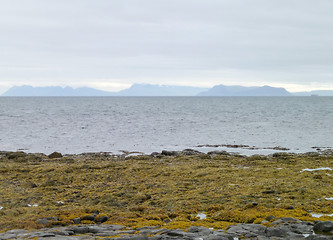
{"type": "Point", "coordinates": [112, 44]}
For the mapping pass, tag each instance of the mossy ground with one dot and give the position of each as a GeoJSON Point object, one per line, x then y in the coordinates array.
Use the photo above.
{"type": "Point", "coordinates": [168, 191]}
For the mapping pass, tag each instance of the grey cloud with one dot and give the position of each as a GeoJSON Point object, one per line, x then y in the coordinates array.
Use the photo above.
{"type": "Point", "coordinates": [155, 38]}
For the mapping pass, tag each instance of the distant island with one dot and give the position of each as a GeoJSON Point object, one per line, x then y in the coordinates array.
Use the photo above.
{"type": "Point", "coordinates": [134, 90]}
{"type": "Point", "coordinates": [222, 90]}
{"type": "Point", "coordinates": [160, 90]}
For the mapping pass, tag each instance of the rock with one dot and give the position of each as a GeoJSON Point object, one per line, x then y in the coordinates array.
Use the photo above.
{"type": "Point", "coordinates": [318, 237]}
{"type": "Point", "coordinates": [175, 233]}
{"type": "Point", "coordinates": [154, 154]}
{"type": "Point", "coordinates": [76, 220]}
{"type": "Point", "coordinates": [91, 217]}
{"type": "Point", "coordinates": [102, 219]}
{"type": "Point", "coordinates": [62, 232]}
{"type": "Point", "coordinates": [277, 232]}
{"type": "Point", "coordinates": [39, 234]}
{"type": "Point", "coordinates": [193, 229]}
{"type": "Point", "coordinates": [47, 220]}
{"type": "Point", "coordinates": [324, 227]}
{"type": "Point", "coordinates": [55, 155]}
{"type": "Point", "coordinates": [247, 230]}
{"type": "Point", "coordinates": [15, 155]}
{"type": "Point", "coordinates": [285, 220]}
{"type": "Point", "coordinates": [79, 229]}
{"type": "Point", "coordinates": [254, 204]}
{"type": "Point", "coordinates": [200, 230]}
{"type": "Point", "coordinates": [270, 218]}
{"type": "Point", "coordinates": [218, 153]}
{"type": "Point", "coordinates": [222, 236]}
{"type": "Point", "coordinates": [287, 228]}
{"type": "Point", "coordinates": [190, 152]}
{"type": "Point", "coordinates": [170, 153]}
{"type": "Point", "coordinates": [5, 236]}
{"type": "Point", "coordinates": [12, 234]}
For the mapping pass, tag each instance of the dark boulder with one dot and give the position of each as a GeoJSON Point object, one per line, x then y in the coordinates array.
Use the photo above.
{"type": "Point", "coordinates": [76, 220]}
{"type": "Point", "coordinates": [189, 152]}
{"type": "Point", "coordinates": [324, 227]}
{"type": "Point", "coordinates": [102, 219]}
{"type": "Point", "coordinates": [55, 155]}
{"type": "Point", "coordinates": [170, 153]}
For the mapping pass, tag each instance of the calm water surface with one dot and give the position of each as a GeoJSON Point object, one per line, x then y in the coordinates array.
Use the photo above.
{"type": "Point", "coordinates": [148, 124]}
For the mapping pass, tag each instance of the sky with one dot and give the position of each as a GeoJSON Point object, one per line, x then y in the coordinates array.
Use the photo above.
{"type": "Point", "coordinates": [112, 44]}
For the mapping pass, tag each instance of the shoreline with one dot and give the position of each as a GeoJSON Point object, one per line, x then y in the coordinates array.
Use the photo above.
{"type": "Point", "coordinates": [238, 149]}
{"type": "Point", "coordinates": [167, 189]}
{"type": "Point", "coordinates": [283, 228]}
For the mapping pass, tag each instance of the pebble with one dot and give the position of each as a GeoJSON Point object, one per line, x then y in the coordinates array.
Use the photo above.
{"type": "Point", "coordinates": [284, 228]}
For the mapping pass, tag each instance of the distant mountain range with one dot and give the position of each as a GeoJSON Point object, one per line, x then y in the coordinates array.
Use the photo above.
{"type": "Point", "coordinates": [222, 90]}
{"type": "Point", "coordinates": [134, 90]}
{"type": "Point", "coordinates": [160, 90]}
{"type": "Point", "coordinates": [53, 91]}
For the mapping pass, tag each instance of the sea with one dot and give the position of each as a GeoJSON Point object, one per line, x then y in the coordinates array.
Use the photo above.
{"type": "Point", "coordinates": [246, 125]}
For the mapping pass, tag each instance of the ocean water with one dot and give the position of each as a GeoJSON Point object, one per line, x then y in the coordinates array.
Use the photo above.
{"type": "Point", "coordinates": [149, 124]}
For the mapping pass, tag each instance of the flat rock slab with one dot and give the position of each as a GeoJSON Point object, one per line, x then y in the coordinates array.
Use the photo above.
{"type": "Point", "coordinates": [283, 229]}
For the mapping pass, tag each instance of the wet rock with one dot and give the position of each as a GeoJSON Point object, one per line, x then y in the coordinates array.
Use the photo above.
{"type": "Point", "coordinates": [155, 154]}
{"type": "Point", "coordinates": [170, 153]}
{"type": "Point", "coordinates": [55, 155]}
{"type": "Point", "coordinates": [216, 153]}
{"type": "Point", "coordinates": [189, 152]}
{"type": "Point", "coordinates": [324, 227]}
{"type": "Point", "coordinates": [286, 228]}
{"type": "Point", "coordinates": [15, 155]}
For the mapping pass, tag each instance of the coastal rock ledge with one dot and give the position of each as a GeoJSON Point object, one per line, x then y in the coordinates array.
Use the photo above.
{"type": "Point", "coordinates": [284, 228]}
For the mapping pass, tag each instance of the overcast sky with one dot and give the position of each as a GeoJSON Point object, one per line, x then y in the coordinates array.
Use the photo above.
{"type": "Point", "coordinates": [111, 44]}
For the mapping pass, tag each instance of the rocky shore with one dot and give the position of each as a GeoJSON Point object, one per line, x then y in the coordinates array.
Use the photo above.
{"type": "Point", "coordinates": [284, 228]}
{"type": "Point", "coordinates": [169, 195]}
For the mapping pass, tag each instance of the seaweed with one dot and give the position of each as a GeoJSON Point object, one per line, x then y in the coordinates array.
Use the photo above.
{"type": "Point", "coordinates": [162, 190]}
